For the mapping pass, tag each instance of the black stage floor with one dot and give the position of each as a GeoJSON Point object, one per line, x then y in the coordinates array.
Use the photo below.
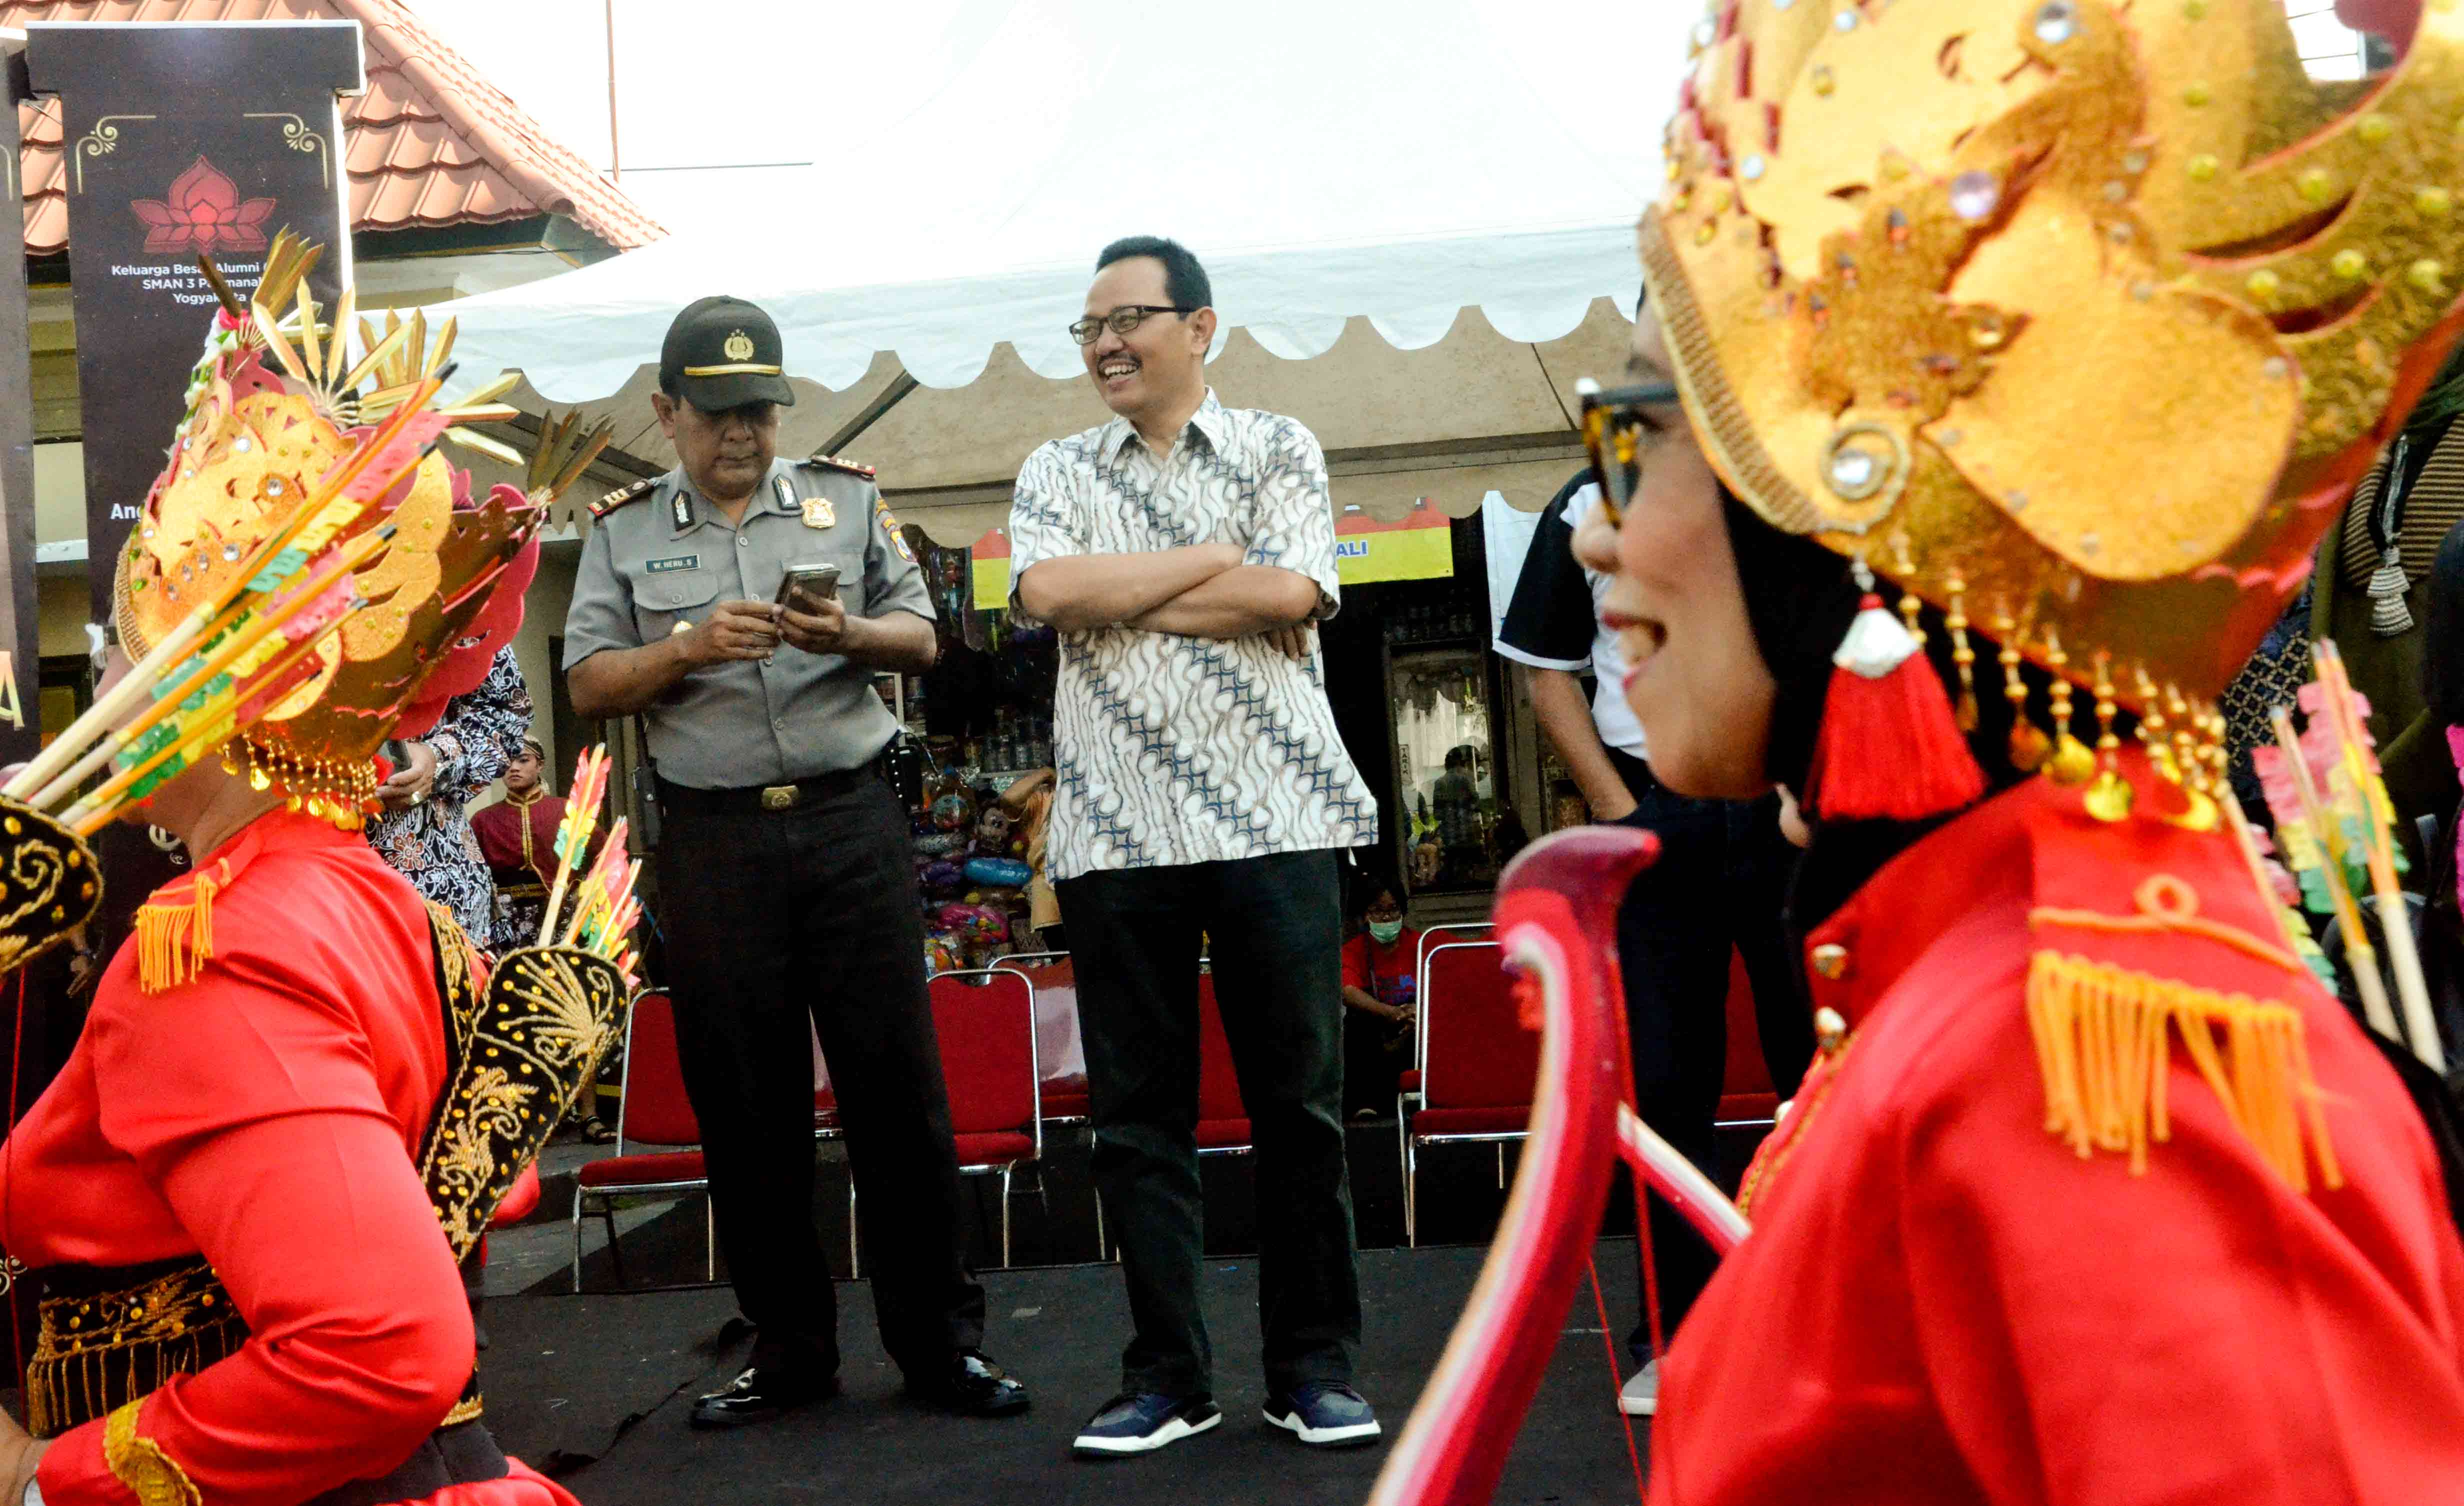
{"type": "Point", "coordinates": [596, 1390]}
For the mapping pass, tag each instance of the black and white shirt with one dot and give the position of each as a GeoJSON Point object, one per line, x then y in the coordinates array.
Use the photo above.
{"type": "Point", "coordinates": [1555, 623]}
{"type": "Point", "coordinates": [1174, 749]}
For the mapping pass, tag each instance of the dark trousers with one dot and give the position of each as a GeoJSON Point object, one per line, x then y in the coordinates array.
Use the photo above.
{"type": "Point", "coordinates": [1721, 881]}
{"type": "Point", "coordinates": [1276, 931]}
{"type": "Point", "coordinates": [775, 918]}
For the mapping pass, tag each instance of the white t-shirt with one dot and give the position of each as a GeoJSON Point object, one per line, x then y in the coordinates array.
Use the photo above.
{"type": "Point", "coordinates": [1553, 623]}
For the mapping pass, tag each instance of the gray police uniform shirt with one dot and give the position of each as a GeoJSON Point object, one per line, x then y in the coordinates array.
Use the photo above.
{"type": "Point", "coordinates": [664, 558]}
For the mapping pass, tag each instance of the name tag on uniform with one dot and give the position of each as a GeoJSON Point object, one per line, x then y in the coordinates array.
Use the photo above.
{"type": "Point", "coordinates": [682, 561]}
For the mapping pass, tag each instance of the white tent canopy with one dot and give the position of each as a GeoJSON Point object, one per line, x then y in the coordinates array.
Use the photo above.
{"type": "Point", "coordinates": [1397, 160]}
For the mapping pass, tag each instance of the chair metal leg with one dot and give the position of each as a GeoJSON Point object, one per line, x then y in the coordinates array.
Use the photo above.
{"type": "Point", "coordinates": [1004, 1195]}
{"type": "Point", "coordinates": [1501, 1166]}
{"type": "Point", "coordinates": [615, 1250]}
{"type": "Point", "coordinates": [1411, 1194]}
{"type": "Point", "coordinates": [577, 1239]}
{"type": "Point", "coordinates": [1044, 1200]}
{"type": "Point", "coordinates": [710, 1236]}
{"type": "Point", "coordinates": [855, 1261]}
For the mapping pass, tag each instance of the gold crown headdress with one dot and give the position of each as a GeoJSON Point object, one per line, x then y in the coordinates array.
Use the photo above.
{"type": "Point", "coordinates": [306, 577]}
{"type": "Point", "coordinates": [2077, 315]}
{"type": "Point", "coordinates": [277, 405]}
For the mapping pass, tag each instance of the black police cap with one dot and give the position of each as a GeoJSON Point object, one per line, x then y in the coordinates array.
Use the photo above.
{"type": "Point", "coordinates": [723, 352]}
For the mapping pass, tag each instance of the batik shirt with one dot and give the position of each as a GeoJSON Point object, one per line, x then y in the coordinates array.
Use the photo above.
{"type": "Point", "coordinates": [1175, 749]}
{"type": "Point", "coordinates": [430, 843]}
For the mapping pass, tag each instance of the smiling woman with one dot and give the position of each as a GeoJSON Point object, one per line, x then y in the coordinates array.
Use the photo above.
{"type": "Point", "coordinates": [1935, 381]}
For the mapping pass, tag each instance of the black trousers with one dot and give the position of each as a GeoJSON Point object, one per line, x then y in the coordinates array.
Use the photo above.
{"type": "Point", "coordinates": [1722, 880]}
{"type": "Point", "coordinates": [1276, 930]}
{"type": "Point", "coordinates": [774, 919]}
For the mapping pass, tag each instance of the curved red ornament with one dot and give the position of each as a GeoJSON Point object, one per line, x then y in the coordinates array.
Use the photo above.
{"type": "Point", "coordinates": [1557, 924]}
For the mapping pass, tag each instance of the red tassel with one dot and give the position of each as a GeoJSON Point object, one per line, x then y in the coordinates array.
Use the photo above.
{"type": "Point", "coordinates": [1889, 748]}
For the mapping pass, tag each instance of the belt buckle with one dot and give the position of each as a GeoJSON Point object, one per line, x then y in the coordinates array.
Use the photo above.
{"type": "Point", "coordinates": [780, 797]}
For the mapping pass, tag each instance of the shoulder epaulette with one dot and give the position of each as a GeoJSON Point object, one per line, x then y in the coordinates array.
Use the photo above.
{"type": "Point", "coordinates": [833, 462]}
{"type": "Point", "coordinates": [622, 495]}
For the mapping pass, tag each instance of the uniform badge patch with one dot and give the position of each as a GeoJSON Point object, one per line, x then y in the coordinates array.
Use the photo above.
{"type": "Point", "coordinates": [819, 513]}
{"type": "Point", "coordinates": [682, 561]}
{"type": "Point", "coordinates": [890, 527]}
{"type": "Point", "coordinates": [684, 511]}
{"type": "Point", "coordinates": [739, 346]}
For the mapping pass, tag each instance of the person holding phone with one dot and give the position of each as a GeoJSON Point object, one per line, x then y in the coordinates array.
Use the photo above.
{"type": "Point", "coordinates": [741, 605]}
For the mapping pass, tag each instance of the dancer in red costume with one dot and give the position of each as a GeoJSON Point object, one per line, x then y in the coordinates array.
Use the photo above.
{"type": "Point", "coordinates": [2068, 323]}
{"type": "Point", "coordinates": [295, 1105]}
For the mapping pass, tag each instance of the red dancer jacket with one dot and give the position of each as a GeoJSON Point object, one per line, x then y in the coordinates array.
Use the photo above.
{"type": "Point", "coordinates": [267, 1115]}
{"type": "Point", "coordinates": [1943, 1301]}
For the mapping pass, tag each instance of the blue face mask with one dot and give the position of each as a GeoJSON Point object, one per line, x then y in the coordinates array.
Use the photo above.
{"type": "Point", "coordinates": [1385, 931]}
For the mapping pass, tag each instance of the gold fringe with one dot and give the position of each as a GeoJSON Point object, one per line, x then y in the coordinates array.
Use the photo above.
{"type": "Point", "coordinates": [2104, 1044]}
{"type": "Point", "coordinates": [139, 1462]}
{"type": "Point", "coordinates": [174, 940]}
{"type": "Point", "coordinates": [467, 1409]}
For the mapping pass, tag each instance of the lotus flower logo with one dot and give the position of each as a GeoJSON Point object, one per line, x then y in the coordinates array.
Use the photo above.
{"type": "Point", "coordinates": [203, 212]}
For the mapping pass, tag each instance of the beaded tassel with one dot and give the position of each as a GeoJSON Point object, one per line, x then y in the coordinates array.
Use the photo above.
{"type": "Point", "coordinates": [2028, 746]}
{"type": "Point", "coordinates": [2072, 762]}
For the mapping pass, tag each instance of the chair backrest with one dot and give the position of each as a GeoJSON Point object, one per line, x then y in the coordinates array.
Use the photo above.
{"type": "Point", "coordinates": [1746, 1072]}
{"type": "Point", "coordinates": [1219, 1086]}
{"type": "Point", "coordinates": [654, 1110]}
{"type": "Point", "coordinates": [1438, 936]}
{"type": "Point", "coordinates": [1043, 969]}
{"type": "Point", "coordinates": [1474, 1052]}
{"type": "Point", "coordinates": [985, 1019]}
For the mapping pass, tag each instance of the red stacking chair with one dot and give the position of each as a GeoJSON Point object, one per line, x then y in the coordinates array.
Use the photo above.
{"type": "Point", "coordinates": [1407, 1084]}
{"type": "Point", "coordinates": [1223, 1118]}
{"type": "Point", "coordinates": [1477, 1063]}
{"type": "Point", "coordinates": [1746, 1097]}
{"type": "Point", "coordinates": [1065, 1099]}
{"type": "Point", "coordinates": [985, 1019]}
{"type": "Point", "coordinates": [653, 1111]}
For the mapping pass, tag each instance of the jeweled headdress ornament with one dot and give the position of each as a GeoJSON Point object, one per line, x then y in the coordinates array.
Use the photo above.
{"type": "Point", "coordinates": [306, 578]}
{"type": "Point", "coordinates": [2076, 319]}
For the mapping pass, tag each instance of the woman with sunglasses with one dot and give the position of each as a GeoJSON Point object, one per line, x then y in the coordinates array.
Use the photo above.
{"type": "Point", "coordinates": [2002, 362]}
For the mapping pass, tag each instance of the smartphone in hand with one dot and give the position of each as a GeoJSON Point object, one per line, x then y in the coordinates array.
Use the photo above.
{"type": "Point", "coordinates": [814, 582]}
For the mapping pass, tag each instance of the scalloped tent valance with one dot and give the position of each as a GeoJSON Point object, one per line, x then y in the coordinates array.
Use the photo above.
{"type": "Point", "coordinates": [1393, 161]}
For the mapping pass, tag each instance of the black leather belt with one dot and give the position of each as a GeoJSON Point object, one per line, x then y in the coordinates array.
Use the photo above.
{"type": "Point", "coordinates": [685, 800]}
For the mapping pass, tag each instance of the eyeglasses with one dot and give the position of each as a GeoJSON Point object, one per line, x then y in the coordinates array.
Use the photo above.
{"type": "Point", "coordinates": [1617, 432]}
{"type": "Point", "coordinates": [1121, 320]}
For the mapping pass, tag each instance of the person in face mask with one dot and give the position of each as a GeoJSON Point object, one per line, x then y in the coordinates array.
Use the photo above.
{"type": "Point", "coordinates": [1380, 985]}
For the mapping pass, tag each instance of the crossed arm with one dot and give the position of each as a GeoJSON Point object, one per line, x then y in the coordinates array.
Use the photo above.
{"type": "Point", "coordinates": [1198, 592]}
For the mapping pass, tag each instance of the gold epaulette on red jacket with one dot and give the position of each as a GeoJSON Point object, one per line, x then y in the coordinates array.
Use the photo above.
{"type": "Point", "coordinates": [622, 495]}
{"type": "Point", "coordinates": [2148, 933]}
{"type": "Point", "coordinates": [834, 462]}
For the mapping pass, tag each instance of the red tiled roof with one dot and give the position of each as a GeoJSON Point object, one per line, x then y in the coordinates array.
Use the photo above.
{"type": "Point", "coordinates": [431, 144]}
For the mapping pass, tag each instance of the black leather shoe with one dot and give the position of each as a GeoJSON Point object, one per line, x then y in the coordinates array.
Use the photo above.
{"type": "Point", "coordinates": [973, 1386]}
{"type": "Point", "coordinates": [759, 1394]}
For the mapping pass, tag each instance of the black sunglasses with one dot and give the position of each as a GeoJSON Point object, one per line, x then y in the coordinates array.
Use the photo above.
{"type": "Point", "coordinates": [1614, 432]}
{"type": "Point", "coordinates": [1121, 320]}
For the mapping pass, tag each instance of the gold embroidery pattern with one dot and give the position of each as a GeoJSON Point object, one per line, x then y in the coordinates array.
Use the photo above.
{"type": "Point", "coordinates": [48, 885]}
{"type": "Point", "coordinates": [107, 1349]}
{"type": "Point", "coordinates": [466, 1410]}
{"type": "Point", "coordinates": [547, 1018]}
{"type": "Point", "coordinates": [139, 1462]}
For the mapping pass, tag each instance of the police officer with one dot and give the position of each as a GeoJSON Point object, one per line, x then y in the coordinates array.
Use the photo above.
{"type": "Point", "coordinates": [784, 882]}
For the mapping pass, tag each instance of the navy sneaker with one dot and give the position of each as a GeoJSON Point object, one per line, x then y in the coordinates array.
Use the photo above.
{"type": "Point", "coordinates": [1141, 1422]}
{"type": "Point", "coordinates": [1328, 1414]}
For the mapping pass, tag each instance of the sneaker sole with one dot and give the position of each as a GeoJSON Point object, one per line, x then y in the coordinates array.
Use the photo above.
{"type": "Point", "coordinates": [1643, 1406]}
{"type": "Point", "coordinates": [1171, 1433]}
{"type": "Point", "coordinates": [1326, 1437]}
